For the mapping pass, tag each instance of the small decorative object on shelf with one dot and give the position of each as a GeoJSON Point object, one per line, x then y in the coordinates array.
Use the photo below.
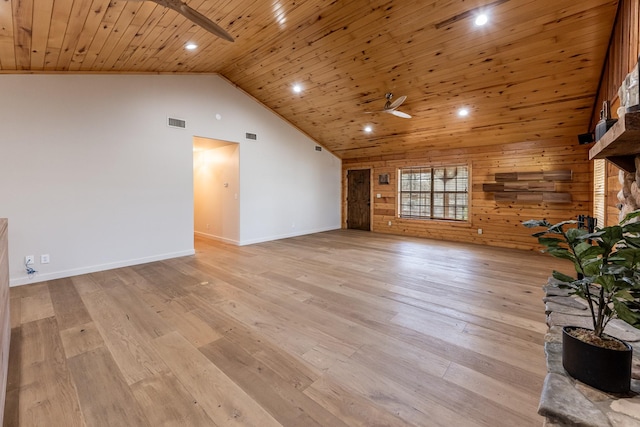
{"type": "Point", "coordinates": [630, 98]}
{"type": "Point", "coordinates": [605, 121]}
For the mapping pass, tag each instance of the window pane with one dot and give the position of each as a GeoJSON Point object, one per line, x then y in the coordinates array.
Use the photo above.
{"type": "Point", "coordinates": [434, 193]}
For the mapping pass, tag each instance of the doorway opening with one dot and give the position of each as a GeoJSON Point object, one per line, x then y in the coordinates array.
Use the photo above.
{"type": "Point", "coordinates": [216, 189]}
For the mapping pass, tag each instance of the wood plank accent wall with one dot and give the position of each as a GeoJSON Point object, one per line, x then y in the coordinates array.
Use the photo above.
{"type": "Point", "coordinates": [5, 321]}
{"type": "Point", "coordinates": [622, 56]}
{"type": "Point", "coordinates": [500, 221]}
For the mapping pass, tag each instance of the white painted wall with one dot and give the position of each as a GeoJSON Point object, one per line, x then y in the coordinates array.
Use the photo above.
{"type": "Point", "coordinates": [91, 174]}
{"type": "Point", "coordinates": [216, 191]}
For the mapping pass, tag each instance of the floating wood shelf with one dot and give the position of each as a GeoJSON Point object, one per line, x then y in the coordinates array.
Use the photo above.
{"type": "Point", "coordinates": [621, 143]}
{"type": "Point", "coordinates": [561, 175]}
{"type": "Point", "coordinates": [533, 197]}
{"type": "Point", "coordinates": [519, 186]}
{"type": "Point", "coordinates": [529, 187]}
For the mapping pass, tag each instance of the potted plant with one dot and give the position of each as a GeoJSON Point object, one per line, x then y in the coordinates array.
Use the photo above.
{"type": "Point", "coordinates": [607, 264]}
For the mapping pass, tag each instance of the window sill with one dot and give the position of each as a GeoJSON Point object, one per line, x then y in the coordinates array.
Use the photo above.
{"type": "Point", "coordinates": [454, 223]}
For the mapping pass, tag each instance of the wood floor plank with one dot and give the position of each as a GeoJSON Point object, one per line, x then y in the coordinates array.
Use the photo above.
{"type": "Point", "coordinates": [336, 328]}
{"type": "Point", "coordinates": [36, 304]}
{"type": "Point", "coordinates": [126, 343]}
{"type": "Point", "coordinates": [80, 339]}
{"type": "Point", "coordinates": [282, 400]}
{"type": "Point", "coordinates": [393, 397]}
{"type": "Point", "coordinates": [167, 403]}
{"type": "Point", "coordinates": [85, 284]}
{"type": "Point", "coordinates": [222, 399]}
{"type": "Point", "coordinates": [105, 398]}
{"type": "Point", "coordinates": [69, 308]}
{"type": "Point", "coordinates": [520, 353]}
{"type": "Point", "coordinates": [146, 319]}
{"type": "Point", "coordinates": [12, 399]}
{"type": "Point", "coordinates": [46, 388]}
{"type": "Point", "coordinates": [499, 392]}
{"type": "Point", "coordinates": [352, 408]}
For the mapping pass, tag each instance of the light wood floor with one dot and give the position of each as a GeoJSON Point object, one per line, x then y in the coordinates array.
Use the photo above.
{"type": "Point", "coordinates": [343, 328]}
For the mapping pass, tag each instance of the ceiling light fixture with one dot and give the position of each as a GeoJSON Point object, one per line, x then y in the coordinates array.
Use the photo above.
{"type": "Point", "coordinates": [463, 112]}
{"type": "Point", "coordinates": [297, 88]}
{"type": "Point", "coordinates": [368, 129]}
{"type": "Point", "coordinates": [191, 46]}
{"type": "Point", "coordinates": [481, 19]}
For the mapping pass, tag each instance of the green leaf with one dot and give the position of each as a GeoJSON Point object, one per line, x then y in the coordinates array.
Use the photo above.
{"type": "Point", "coordinates": [610, 237]}
{"type": "Point", "coordinates": [592, 268]}
{"type": "Point", "coordinates": [562, 277]}
{"type": "Point", "coordinates": [624, 313]}
{"type": "Point", "coordinates": [550, 241]}
{"type": "Point", "coordinates": [633, 242]}
{"type": "Point", "coordinates": [560, 253]}
{"type": "Point", "coordinates": [606, 281]}
{"type": "Point", "coordinates": [633, 227]}
{"type": "Point", "coordinates": [589, 252]}
{"type": "Point", "coordinates": [630, 216]}
{"type": "Point", "coordinates": [630, 256]}
{"type": "Point", "coordinates": [624, 294]}
{"type": "Point", "coordinates": [574, 234]}
{"type": "Point", "coordinates": [593, 235]}
{"type": "Point", "coordinates": [536, 223]}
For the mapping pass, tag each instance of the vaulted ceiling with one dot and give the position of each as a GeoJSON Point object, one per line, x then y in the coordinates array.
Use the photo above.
{"type": "Point", "coordinates": [530, 73]}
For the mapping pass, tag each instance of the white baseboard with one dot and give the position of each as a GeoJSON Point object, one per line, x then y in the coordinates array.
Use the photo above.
{"type": "Point", "coordinates": [216, 238]}
{"type": "Point", "coordinates": [25, 280]}
{"type": "Point", "coordinates": [286, 236]}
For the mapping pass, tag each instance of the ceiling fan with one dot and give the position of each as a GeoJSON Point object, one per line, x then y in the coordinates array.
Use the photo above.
{"type": "Point", "coordinates": [195, 17]}
{"type": "Point", "coordinates": [392, 107]}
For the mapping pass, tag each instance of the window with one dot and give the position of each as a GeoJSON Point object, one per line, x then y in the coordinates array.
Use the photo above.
{"type": "Point", "coordinates": [599, 190]}
{"type": "Point", "coordinates": [434, 193]}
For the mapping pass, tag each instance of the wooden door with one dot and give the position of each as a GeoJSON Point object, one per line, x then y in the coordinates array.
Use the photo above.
{"type": "Point", "coordinates": [359, 199]}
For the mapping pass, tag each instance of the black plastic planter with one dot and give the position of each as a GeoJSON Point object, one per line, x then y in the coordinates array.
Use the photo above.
{"type": "Point", "coordinates": [605, 369]}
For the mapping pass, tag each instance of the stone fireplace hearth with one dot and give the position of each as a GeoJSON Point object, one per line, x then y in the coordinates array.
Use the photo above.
{"type": "Point", "coordinates": [629, 195]}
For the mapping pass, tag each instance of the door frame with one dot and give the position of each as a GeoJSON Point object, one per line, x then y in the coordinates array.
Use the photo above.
{"type": "Point", "coordinates": [345, 192]}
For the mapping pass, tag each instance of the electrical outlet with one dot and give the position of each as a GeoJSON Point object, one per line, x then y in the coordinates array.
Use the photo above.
{"type": "Point", "coordinates": [29, 260]}
{"type": "Point", "coordinates": [44, 259]}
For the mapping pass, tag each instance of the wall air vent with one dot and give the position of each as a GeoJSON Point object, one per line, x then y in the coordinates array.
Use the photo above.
{"type": "Point", "coordinates": [318, 148]}
{"type": "Point", "coordinates": [176, 123]}
{"type": "Point", "coordinates": [251, 136]}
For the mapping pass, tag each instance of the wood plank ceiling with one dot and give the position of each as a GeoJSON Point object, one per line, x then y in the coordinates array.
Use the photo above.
{"type": "Point", "coordinates": [531, 73]}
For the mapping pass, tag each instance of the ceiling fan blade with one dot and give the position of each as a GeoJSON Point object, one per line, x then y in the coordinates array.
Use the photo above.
{"type": "Point", "coordinates": [398, 102]}
{"type": "Point", "coordinates": [399, 114]}
{"type": "Point", "coordinates": [195, 17]}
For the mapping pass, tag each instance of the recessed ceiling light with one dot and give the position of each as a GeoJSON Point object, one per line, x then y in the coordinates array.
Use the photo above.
{"type": "Point", "coordinates": [368, 129]}
{"type": "Point", "coordinates": [191, 46]}
{"type": "Point", "coordinates": [297, 88]}
{"type": "Point", "coordinates": [463, 112]}
{"type": "Point", "coordinates": [481, 19]}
